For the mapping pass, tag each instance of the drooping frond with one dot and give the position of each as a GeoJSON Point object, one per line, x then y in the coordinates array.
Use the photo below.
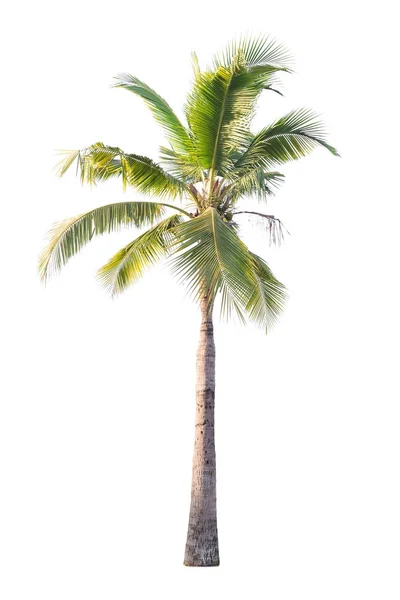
{"type": "Point", "coordinates": [269, 295]}
{"type": "Point", "coordinates": [176, 132]}
{"type": "Point", "coordinates": [99, 162]}
{"type": "Point", "coordinates": [131, 262]}
{"type": "Point", "coordinates": [211, 258]}
{"type": "Point", "coordinates": [291, 137]}
{"type": "Point", "coordinates": [257, 52]}
{"type": "Point", "coordinates": [271, 225]}
{"type": "Point", "coordinates": [68, 237]}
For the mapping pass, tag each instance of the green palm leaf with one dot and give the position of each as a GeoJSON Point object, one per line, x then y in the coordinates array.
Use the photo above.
{"type": "Point", "coordinates": [69, 236]}
{"type": "Point", "coordinates": [177, 133]}
{"type": "Point", "coordinates": [219, 110]}
{"type": "Point", "coordinates": [257, 52]}
{"type": "Point", "coordinates": [99, 162]}
{"type": "Point", "coordinates": [210, 258]}
{"type": "Point", "coordinates": [221, 105]}
{"type": "Point", "coordinates": [130, 263]}
{"type": "Point", "coordinates": [290, 138]}
{"type": "Point", "coordinates": [269, 296]}
{"type": "Point", "coordinates": [182, 166]}
{"type": "Point", "coordinates": [253, 182]}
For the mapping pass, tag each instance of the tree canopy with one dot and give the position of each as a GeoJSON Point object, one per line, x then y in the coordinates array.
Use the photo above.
{"type": "Point", "coordinates": [211, 163]}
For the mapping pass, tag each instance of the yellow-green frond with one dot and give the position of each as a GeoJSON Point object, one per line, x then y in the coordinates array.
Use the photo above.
{"type": "Point", "coordinates": [130, 263]}
{"type": "Point", "coordinates": [68, 237]}
{"type": "Point", "coordinates": [195, 65]}
{"type": "Point", "coordinates": [182, 166]}
{"type": "Point", "coordinates": [99, 162]}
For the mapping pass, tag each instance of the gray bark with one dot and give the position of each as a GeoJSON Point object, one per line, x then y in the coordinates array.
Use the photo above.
{"type": "Point", "coordinates": [202, 538]}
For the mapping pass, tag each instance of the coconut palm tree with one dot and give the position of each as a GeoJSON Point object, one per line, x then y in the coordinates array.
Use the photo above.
{"type": "Point", "coordinates": [212, 164]}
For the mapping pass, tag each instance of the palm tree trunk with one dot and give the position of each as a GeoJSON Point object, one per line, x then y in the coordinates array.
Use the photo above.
{"type": "Point", "coordinates": [202, 537]}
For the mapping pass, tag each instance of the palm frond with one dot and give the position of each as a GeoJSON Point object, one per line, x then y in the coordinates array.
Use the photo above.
{"type": "Point", "coordinates": [219, 109]}
{"type": "Point", "coordinates": [99, 162]}
{"type": "Point", "coordinates": [269, 295]}
{"type": "Point", "coordinates": [253, 183]}
{"type": "Point", "coordinates": [70, 156]}
{"type": "Point", "coordinates": [289, 138]}
{"type": "Point", "coordinates": [130, 263]}
{"type": "Point", "coordinates": [195, 65]}
{"type": "Point", "coordinates": [181, 166]}
{"type": "Point", "coordinates": [221, 105]}
{"type": "Point", "coordinates": [67, 238]}
{"type": "Point", "coordinates": [176, 132]}
{"type": "Point", "coordinates": [257, 51]}
{"type": "Point", "coordinates": [272, 226]}
{"type": "Point", "coordinates": [210, 258]}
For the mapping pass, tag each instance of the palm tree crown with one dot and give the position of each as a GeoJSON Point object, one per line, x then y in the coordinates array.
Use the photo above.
{"type": "Point", "coordinates": [211, 164]}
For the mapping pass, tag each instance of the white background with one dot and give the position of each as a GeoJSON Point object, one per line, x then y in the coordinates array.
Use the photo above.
{"type": "Point", "coordinates": [98, 396]}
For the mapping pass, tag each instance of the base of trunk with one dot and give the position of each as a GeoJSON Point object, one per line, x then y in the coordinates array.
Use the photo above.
{"type": "Point", "coordinates": [200, 564]}
{"type": "Point", "coordinates": [202, 540]}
